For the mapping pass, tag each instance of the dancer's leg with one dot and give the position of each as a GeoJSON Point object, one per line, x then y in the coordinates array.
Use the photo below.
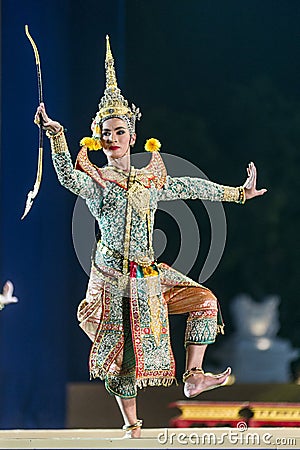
{"type": "Point", "coordinates": [128, 409]}
{"type": "Point", "coordinates": [199, 382]}
{"type": "Point", "coordinates": [201, 329]}
{"type": "Point", "coordinates": [195, 355]}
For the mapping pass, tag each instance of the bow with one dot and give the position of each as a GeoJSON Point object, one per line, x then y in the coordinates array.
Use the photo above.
{"type": "Point", "coordinates": [32, 194]}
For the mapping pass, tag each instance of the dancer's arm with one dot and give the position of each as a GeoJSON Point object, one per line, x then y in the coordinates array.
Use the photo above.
{"type": "Point", "coordinates": [76, 181]}
{"type": "Point", "coordinates": [198, 188]}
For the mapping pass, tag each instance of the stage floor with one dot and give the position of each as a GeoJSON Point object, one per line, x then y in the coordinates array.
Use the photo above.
{"type": "Point", "coordinates": [163, 438]}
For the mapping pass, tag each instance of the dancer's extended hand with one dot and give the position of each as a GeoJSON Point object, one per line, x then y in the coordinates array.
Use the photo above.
{"type": "Point", "coordinates": [250, 183]}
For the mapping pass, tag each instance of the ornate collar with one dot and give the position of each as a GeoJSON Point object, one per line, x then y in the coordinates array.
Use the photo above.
{"type": "Point", "coordinates": [155, 171]}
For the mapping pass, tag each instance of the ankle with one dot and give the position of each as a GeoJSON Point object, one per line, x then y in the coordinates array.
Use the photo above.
{"type": "Point", "coordinates": [192, 372]}
{"type": "Point", "coordinates": [134, 434]}
{"type": "Point", "coordinates": [133, 430]}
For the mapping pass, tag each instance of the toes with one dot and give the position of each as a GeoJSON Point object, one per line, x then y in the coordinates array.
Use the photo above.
{"type": "Point", "coordinates": [226, 372]}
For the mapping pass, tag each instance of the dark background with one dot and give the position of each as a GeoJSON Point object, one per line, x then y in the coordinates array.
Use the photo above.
{"type": "Point", "coordinates": [218, 84]}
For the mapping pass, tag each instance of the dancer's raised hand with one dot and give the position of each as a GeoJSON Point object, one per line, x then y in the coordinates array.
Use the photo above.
{"type": "Point", "coordinates": [48, 124]}
{"type": "Point", "coordinates": [250, 183]}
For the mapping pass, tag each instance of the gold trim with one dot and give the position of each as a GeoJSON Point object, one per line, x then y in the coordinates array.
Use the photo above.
{"type": "Point", "coordinates": [234, 194]}
{"type": "Point", "coordinates": [58, 142]}
{"type": "Point", "coordinates": [128, 226]}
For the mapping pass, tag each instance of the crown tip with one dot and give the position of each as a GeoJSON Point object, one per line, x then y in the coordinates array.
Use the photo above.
{"type": "Point", "coordinates": [108, 49]}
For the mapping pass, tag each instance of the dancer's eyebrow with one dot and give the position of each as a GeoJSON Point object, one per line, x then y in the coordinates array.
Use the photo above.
{"type": "Point", "coordinates": [117, 128]}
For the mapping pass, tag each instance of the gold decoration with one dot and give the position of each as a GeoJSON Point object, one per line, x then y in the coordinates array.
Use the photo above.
{"type": "Point", "coordinates": [58, 141]}
{"type": "Point", "coordinates": [149, 271]}
{"type": "Point", "coordinates": [234, 194]}
{"type": "Point", "coordinates": [128, 226]}
{"type": "Point", "coordinates": [139, 199]}
{"type": "Point", "coordinates": [242, 197]}
{"type": "Point", "coordinates": [113, 104]}
{"type": "Point", "coordinates": [220, 411]}
{"type": "Point", "coordinates": [154, 172]}
{"type": "Point", "coordinates": [83, 163]}
{"type": "Point", "coordinates": [154, 306]}
{"type": "Point", "coordinates": [136, 425]}
{"type": "Point", "coordinates": [152, 145]}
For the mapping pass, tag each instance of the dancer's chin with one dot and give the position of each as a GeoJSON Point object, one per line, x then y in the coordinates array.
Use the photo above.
{"type": "Point", "coordinates": [117, 155]}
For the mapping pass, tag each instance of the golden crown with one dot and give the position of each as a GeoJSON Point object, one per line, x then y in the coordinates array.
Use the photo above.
{"type": "Point", "coordinates": [112, 104]}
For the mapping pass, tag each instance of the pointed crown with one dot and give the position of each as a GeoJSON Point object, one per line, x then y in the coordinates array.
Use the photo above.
{"type": "Point", "coordinates": [113, 104]}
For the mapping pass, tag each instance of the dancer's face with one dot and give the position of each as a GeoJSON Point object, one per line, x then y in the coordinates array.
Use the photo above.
{"type": "Point", "coordinates": [116, 139]}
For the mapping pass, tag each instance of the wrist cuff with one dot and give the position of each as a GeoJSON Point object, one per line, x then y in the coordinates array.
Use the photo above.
{"type": "Point", "coordinates": [58, 141]}
{"type": "Point", "coordinates": [234, 194]}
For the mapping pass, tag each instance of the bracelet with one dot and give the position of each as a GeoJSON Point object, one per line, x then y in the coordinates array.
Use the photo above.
{"type": "Point", "coordinates": [58, 142]}
{"type": "Point", "coordinates": [242, 195]}
{"type": "Point", "coordinates": [234, 194]}
{"type": "Point", "coordinates": [134, 426]}
{"type": "Point", "coordinates": [51, 134]}
{"type": "Point", "coordinates": [193, 371]}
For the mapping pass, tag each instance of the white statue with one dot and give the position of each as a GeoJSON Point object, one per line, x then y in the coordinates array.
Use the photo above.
{"type": "Point", "coordinates": [255, 352]}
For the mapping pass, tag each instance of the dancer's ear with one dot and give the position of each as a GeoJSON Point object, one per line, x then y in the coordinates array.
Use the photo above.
{"type": "Point", "coordinates": [132, 139]}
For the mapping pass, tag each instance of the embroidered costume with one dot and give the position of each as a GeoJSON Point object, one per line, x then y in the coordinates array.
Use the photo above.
{"type": "Point", "coordinates": [129, 294]}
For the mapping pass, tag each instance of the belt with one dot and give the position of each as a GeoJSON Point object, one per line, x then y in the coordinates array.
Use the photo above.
{"type": "Point", "coordinates": [143, 261]}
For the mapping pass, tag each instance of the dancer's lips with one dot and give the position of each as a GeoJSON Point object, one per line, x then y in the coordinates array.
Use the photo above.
{"type": "Point", "coordinates": [114, 147]}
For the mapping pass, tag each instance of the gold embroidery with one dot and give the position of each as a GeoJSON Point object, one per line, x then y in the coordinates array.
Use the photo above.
{"type": "Point", "coordinates": [139, 198]}
{"type": "Point", "coordinates": [155, 171]}
{"type": "Point", "coordinates": [58, 142]}
{"type": "Point", "coordinates": [83, 163]}
{"type": "Point", "coordinates": [158, 170]}
{"type": "Point", "coordinates": [234, 194]}
{"type": "Point", "coordinates": [154, 305]}
{"type": "Point", "coordinates": [128, 226]}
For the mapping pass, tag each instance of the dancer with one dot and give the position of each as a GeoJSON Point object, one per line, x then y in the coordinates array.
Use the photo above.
{"type": "Point", "coordinates": [129, 295]}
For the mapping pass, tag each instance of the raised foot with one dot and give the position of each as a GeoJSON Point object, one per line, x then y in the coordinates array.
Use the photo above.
{"type": "Point", "coordinates": [201, 382]}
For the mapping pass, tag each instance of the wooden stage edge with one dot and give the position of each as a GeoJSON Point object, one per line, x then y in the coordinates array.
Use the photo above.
{"type": "Point", "coordinates": [162, 438]}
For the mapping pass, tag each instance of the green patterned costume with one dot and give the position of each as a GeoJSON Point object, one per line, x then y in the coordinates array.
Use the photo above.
{"type": "Point", "coordinates": [129, 295]}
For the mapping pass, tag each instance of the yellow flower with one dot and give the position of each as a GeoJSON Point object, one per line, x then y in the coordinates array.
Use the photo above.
{"type": "Point", "coordinates": [97, 145]}
{"type": "Point", "coordinates": [91, 143]}
{"type": "Point", "coordinates": [152, 145]}
{"type": "Point", "coordinates": [86, 142]}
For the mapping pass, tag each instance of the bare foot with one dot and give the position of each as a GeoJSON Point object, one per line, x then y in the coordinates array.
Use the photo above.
{"type": "Point", "coordinates": [201, 382]}
{"type": "Point", "coordinates": [133, 434]}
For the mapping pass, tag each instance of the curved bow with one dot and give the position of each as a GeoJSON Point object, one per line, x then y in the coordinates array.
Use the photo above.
{"type": "Point", "coordinates": [32, 194]}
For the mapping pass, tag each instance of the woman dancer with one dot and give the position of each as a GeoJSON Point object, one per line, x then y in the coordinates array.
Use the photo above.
{"type": "Point", "coordinates": [129, 295]}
